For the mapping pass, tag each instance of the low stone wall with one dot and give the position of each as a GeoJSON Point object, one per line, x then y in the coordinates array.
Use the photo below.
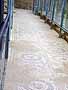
{"type": "Point", "coordinates": [5, 6]}
{"type": "Point", "coordinates": [25, 4]}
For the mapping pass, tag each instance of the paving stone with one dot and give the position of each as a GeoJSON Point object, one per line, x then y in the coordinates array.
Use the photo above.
{"type": "Point", "coordinates": [42, 85]}
{"type": "Point", "coordinates": [38, 59]}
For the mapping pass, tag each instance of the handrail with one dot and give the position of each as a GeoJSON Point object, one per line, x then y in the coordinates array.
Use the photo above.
{"type": "Point", "coordinates": [4, 40]}
{"type": "Point", "coordinates": [3, 26]}
{"type": "Point", "coordinates": [55, 16]}
{"type": "Point", "coordinates": [4, 34]}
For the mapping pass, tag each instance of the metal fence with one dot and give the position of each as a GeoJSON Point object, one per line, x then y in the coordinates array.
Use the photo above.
{"type": "Point", "coordinates": [54, 10]}
{"type": "Point", "coordinates": [5, 27]}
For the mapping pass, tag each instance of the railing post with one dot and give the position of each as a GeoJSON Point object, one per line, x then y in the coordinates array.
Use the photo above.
{"type": "Point", "coordinates": [33, 5]}
{"type": "Point", "coordinates": [11, 12]}
{"type": "Point", "coordinates": [63, 8]}
{"type": "Point", "coordinates": [9, 27]}
{"type": "Point", "coordinates": [10, 23]}
{"type": "Point", "coordinates": [7, 45]}
{"type": "Point", "coordinates": [1, 10]}
{"type": "Point", "coordinates": [53, 13]}
{"type": "Point", "coordinates": [0, 48]}
{"type": "Point", "coordinates": [53, 10]}
{"type": "Point", "coordinates": [62, 17]}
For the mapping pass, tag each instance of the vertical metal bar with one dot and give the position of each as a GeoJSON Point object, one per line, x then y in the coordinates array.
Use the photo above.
{"type": "Point", "coordinates": [9, 11]}
{"type": "Point", "coordinates": [41, 5]}
{"type": "Point", "coordinates": [63, 8]}
{"type": "Point", "coordinates": [10, 22]}
{"type": "Point", "coordinates": [53, 9]}
{"type": "Point", "coordinates": [7, 44]}
{"type": "Point", "coordinates": [62, 17]}
{"type": "Point", "coordinates": [36, 6]}
{"type": "Point", "coordinates": [1, 10]}
{"type": "Point", "coordinates": [12, 4]}
{"type": "Point", "coordinates": [0, 48]}
{"type": "Point", "coordinates": [46, 7]}
{"type": "Point", "coordinates": [9, 27]}
{"type": "Point", "coordinates": [10, 7]}
{"type": "Point", "coordinates": [33, 5]}
{"type": "Point", "coordinates": [38, 2]}
{"type": "Point", "coordinates": [1, 20]}
{"type": "Point", "coordinates": [12, 13]}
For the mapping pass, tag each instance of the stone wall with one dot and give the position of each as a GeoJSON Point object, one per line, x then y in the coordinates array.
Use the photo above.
{"type": "Point", "coordinates": [5, 6]}
{"type": "Point", "coordinates": [25, 4]}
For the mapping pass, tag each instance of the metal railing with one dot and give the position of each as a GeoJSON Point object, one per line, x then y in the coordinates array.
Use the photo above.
{"type": "Point", "coordinates": [5, 28]}
{"type": "Point", "coordinates": [4, 45]}
{"type": "Point", "coordinates": [55, 10]}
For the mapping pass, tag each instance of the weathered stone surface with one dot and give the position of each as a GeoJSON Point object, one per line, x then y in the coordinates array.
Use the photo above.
{"type": "Point", "coordinates": [5, 6]}
{"type": "Point", "coordinates": [38, 59]}
{"type": "Point", "coordinates": [25, 4]}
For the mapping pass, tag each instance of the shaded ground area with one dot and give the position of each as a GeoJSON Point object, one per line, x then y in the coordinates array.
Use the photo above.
{"type": "Point", "coordinates": [38, 59]}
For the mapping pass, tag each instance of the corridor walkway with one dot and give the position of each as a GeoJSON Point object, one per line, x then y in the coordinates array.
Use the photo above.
{"type": "Point", "coordinates": [38, 59]}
